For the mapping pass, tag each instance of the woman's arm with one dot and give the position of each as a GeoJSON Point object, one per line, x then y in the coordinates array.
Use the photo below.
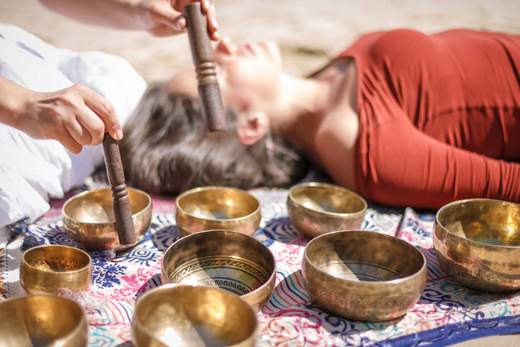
{"type": "Point", "coordinates": [409, 168]}
{"type": "Point", "coordinates": [75, 116]}
{"type": "Point", "coordinates": [158, 17]}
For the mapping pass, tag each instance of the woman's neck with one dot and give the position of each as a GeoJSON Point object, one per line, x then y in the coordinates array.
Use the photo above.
{"type": "Point", "coordinates": [299, 98]}
{"type": "Point", "coordinates": [305, 106]}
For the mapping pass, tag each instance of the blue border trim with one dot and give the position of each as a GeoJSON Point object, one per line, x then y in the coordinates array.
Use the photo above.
{"type": "Point", "coordinates": [458, 332]}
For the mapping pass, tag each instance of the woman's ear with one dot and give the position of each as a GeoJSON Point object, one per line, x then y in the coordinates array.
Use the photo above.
{"type": "Point", "coordinates": [252, 126]}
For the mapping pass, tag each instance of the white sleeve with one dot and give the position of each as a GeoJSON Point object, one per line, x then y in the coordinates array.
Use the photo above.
{"type": "Point", "coordinates": [18, 199]}
{"type": "Point", "coordinates": [110, 76]}
{"type": "Point", "coordinates": [32, 171]}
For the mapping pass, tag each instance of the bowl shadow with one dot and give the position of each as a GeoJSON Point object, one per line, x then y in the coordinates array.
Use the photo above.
{"type": "Point", "coordinates": [291, 299]}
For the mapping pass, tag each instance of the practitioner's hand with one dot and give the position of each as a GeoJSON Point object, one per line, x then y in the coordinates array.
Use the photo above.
{"type": "Point", "coordinates": [75, 116]}
{"type": "Point", "coordinates": [159, 18]}
{"type": "Point", "coordinates": [208, 9]}
{"type": "Point", "coordinates": [164, 17]}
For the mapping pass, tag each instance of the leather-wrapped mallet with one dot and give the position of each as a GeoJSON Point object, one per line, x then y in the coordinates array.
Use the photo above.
{"type": "Point", "coordinates": [121, 202]}
{"type": "Point", "coordinates": [202, 54]}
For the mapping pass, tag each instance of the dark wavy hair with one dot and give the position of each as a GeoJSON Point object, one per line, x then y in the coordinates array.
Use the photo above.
{"type": "Point", "coordinates": [166, 150]}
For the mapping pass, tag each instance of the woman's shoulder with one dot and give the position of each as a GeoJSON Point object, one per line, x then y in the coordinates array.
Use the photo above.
{"type": "Point", "coordinates": [378, 43]}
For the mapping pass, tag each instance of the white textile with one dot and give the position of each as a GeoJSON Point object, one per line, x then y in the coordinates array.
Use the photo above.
{"type": "Point", "coordinates": [32, 171]}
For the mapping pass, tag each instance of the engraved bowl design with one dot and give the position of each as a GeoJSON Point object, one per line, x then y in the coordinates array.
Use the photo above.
{"type": "Point", "coordinates": [232, 261]}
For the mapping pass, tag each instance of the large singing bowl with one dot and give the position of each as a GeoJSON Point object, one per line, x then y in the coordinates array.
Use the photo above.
{"type": "Point", "coordinates": [181, 315]}
{"type": "Point", "coordinates": [363, 275]}
{"type": "Point", "coordinates": [42, 320]}
{"type": "Point", "coordinates": [477, 242]}
{"type": "Point", "coordinates": [220, 258]}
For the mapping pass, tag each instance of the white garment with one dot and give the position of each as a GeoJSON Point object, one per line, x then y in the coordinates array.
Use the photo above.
{"type": "Point", "coordinates": [33, 171]}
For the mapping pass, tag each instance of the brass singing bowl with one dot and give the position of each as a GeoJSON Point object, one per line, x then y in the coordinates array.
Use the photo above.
{"type": "Point", "coordinates": [218, 258]}
{"type": "Point", "coordinates": [318, 208]}
{"type": "Point", "coordinates": [42, 320]}
{"type": "Point", "coordinates": [89, 217]}
{"type": "Point", "coordinates": [477, 242]}
{"type": "Point", "coordinates": [222, 208]}
{"type": "Point", "coordinates": [46, 269]}
{"type": "Point", "coordinates": [363, 275]}
{"type": "Point", "coordinates": [182, 315]}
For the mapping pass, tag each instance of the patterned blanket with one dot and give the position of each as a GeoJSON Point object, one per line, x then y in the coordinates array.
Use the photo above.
{"type": "Point", "coordinates": [446, 312]}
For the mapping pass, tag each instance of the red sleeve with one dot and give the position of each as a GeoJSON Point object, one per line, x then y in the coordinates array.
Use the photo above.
{"type": "Point", "coordinates": [411, 168]}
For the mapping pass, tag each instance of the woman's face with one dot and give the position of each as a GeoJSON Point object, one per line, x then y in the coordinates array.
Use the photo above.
{"type": "Point", "coordinates": [249, 75]}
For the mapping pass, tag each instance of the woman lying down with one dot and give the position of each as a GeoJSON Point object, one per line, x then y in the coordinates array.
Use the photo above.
{"type": "Point", "coordinates": [401, 117]}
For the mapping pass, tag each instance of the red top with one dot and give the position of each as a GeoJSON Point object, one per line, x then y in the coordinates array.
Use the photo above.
{"type": "Point", "coordinates": [434, 110]}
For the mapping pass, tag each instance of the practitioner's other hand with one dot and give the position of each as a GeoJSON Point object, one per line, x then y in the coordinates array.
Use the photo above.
{"type": "Point", "coordinates": [208, 9]}
{"type": "Point", "coordinates": [75, 116]}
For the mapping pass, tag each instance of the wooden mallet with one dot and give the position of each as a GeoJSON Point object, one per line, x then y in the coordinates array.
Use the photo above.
{"type": "Point", "coordinates": [121, 202]}
{"type": "Point", "coordinates": [202, 54]}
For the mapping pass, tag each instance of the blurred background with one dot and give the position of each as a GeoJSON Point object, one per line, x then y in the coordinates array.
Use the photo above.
{"type": "Point", "coordinates": [309, 31]}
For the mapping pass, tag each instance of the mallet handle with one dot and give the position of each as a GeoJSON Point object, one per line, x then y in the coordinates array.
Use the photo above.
{"type": "Point", "coordinates": [202, 54]}
{"type": "Point", "coordinates": [116, 177]}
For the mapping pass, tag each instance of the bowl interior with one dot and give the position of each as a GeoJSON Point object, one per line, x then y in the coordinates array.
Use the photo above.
{"type": "Point", "coordinates": [364, 256]}
{"type": "Point", "coordinates": [488, 221]}
{"type": "Point", "coordinates": [56, 258]}
{"type": "Point", "coordinates": [186, 315]}
{"type": "Point", "coordinates": [327, 199]}
{"type": "Point", "coordinates": [37, 320]}
{"type": "Point", "coordinates": [96, 206]}
{"type": "Point", "coordinates": [224, 259]}
{"type": "Point", "coordinates": [218, 203]}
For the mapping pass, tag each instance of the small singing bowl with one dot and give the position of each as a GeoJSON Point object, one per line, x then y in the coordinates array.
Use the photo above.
{"type": "Point", "coordinates": [46, 269]}
{"type": "Point", "coordinates": [318, 208]}
{"type": "Point", "coordinates": [89, 218]}
{"type": "Point", "coordinates": [477, 242]}
{"type": "Point", "coordinates": [42, 320]}
{"type": "Point", "coordinates": [182, 315]}
{"type": "Point", "coordinates": [363, 275]}
{"type": "Point", "coordinates": [222, 208]}
{"type": "Point", "coordinates": [225, 259]}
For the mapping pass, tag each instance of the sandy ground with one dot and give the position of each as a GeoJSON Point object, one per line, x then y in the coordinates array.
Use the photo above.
{"type": "Point", "coordinates": [308, 31]}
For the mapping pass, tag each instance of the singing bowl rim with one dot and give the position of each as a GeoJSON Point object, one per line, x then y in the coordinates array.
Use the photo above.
{"type": "Point", "coordinates": [196, 190]}
{"type": "Point", "coordinates": [393, 282]}
{"type": "Point", "coordinates": [80, 324]}
{"type": "Point", "coordinates": [293, 189]}
{"type": "Point", "coordinates": [466, 239]}
{"type": "Point", "coordinates": [91, 191]}
{"type": "Point", "coordinates": [232, 234]}
{"type": "Point", "coordinates": [136, 324]}
{"type": "Point", "coordinates": [25, 263]}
